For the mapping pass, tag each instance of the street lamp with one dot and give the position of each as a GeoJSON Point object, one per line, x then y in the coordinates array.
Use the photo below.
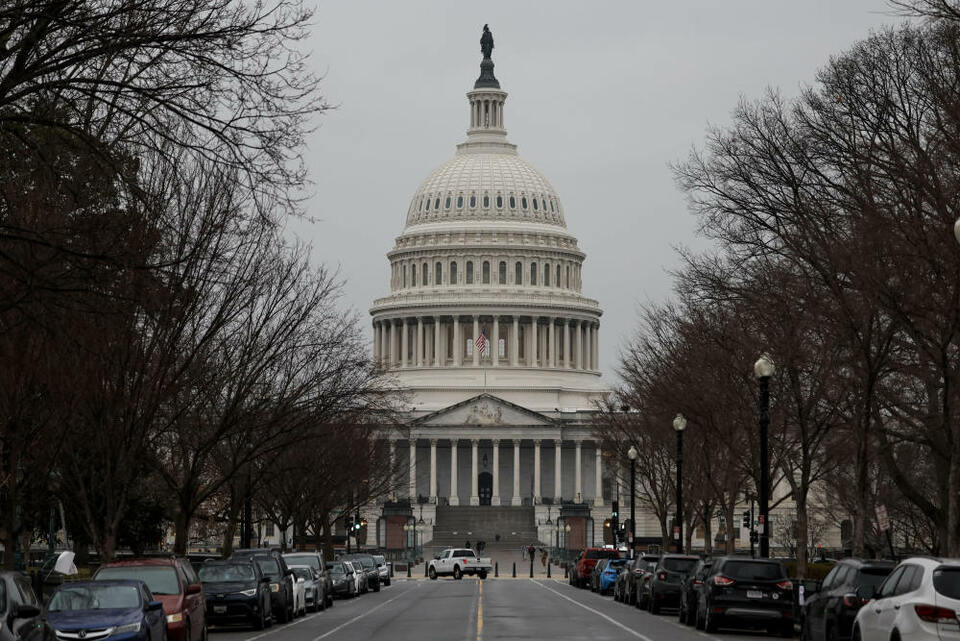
{"type": "Point", "coordinates": [679, 424]}
{"type": "Point", "coordinates": [566, 540]}
{"type": "Point", "coordinates": [632, 455]}
{"type": "Point", "coordinates": [956, 230]}
{"type": "Point", "coordinates": [763, 369]}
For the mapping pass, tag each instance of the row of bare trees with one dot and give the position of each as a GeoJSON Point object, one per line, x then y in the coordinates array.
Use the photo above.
{"type": "Point", "coordinates": [163, 345]}
{"type": "Point", "coordinates": [832, 216]}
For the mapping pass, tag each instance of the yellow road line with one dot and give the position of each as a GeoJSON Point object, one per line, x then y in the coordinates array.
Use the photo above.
{"type": "Point", "coordinates": [480, 612]}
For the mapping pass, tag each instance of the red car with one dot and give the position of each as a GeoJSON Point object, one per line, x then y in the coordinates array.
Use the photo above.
{"type": "Point", "coordinates": [580, 577]}
{"type": "Point", "coordinates": [173, 582]}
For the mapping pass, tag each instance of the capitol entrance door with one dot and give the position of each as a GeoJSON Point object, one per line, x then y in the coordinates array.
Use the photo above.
{"type": "Point", "coordinates": [485, 487]}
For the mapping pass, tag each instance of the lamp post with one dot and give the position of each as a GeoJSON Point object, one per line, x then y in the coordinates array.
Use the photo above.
{"type": "Point", "coordinates": [763, 369]}
{"type": "Point", "coordinates": [566, 540]}
{"type": "Point", "coordinates": [679, 424]}
{"type": "Point", "coordinates": [956, 230]}
{"type": "Point", "coordinates": [632, 455]}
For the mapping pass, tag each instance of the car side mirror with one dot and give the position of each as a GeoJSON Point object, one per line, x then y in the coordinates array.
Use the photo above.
{"type": "Point", "coordinates": [26, 611]}
{"type": "Point", "coordinates": [194, 588]}
{"type": "Point", "coordinates": [264, 579]}
{"type": "Point", "coordinates": [866, 592]}
{"type": "Point", "coordinates": [288, 573]}
{"type": "Point", "coordinates": [154, 605]}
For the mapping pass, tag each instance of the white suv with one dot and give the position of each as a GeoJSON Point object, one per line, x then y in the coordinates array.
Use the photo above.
{"type": "Point", "coordinates": [919, 600]}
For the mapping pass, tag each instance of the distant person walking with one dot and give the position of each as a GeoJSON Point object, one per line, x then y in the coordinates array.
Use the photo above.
{"type": "Point", "coordinates": [467, 544]}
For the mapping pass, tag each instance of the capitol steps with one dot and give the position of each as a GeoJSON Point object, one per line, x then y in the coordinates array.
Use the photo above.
{"type": "Point", "coordinates": [456, 525]}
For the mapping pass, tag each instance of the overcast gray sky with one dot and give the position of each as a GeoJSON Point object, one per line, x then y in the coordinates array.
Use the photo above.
{"type": "Point", "coordinates": [603, 95]}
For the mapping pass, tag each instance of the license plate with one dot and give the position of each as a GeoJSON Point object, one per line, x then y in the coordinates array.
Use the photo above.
{"type": "Point", "coordinates": [219, 609]}
{"type": "Point", "coordinates": [754, 594]}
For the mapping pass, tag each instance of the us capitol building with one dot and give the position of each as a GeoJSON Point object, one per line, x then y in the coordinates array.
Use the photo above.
{"type": "Point", "coordinates": [487, 330]}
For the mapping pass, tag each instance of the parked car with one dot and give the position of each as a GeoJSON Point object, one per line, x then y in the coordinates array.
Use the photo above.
{"type": "Point", "coordinates": [359, 576]}
{"type": "Point", "coordinates": [595, 574]}
{"type": "Point", "coordinates": [918, 601]}
{"type": "Point", "coordinates": [312, 590]}
{"type": "Point", "coordinates": [321, 577]}
{"type": "Point", "coordinates": [343, 579]}
{"type": "Point", "coordinates": [607, 577]}
{"type": "Point", "coordinates": [172, 581]}
{"type": "Point", "coordinates": [368, 566]}
{"type": "Point", "coordinates": [829, 611]}
{"type": "Point", "coordinates": [236, 591]}
{"type": "Point", "coordinates": [662, 589]}
{"type": "Point", "coordinates": [281, 579]}
{"type": "Point", "coordinates": [123, 610]}
{"type": "Point", "coordinates": [299, 594]}
{"type": "Point", "coordinates": [586, 560]}
{"type": "Point", "coordinates": [690, 590]}
{"type": "Point", "coordinates": [746, 592]}
{"type": "Point", "coordinates": [631, 580]}
{"type": "Point", "coordinates": [20, 608]}
{"type": "Point", "coordinates": [382, 568]}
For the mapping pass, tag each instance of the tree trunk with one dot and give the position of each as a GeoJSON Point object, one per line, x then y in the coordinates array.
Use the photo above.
{"type": "Point", "coordinates": [327, 535]}
{"type": "Point", "coordinates": [803, 537]}
{"type": "Point", "coordinates": [730, 511]}
{"type": "Point", "coordinates": [707, 532]}
{"type": "Point", "coordinates": [181, 527]}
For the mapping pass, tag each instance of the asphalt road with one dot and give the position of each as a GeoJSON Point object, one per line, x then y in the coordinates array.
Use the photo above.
{"type": "Point", "coordinates": [448, 610]}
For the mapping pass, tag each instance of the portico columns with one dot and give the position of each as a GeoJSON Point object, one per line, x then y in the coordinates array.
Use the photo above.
{"type": "Point", "coordinates": [536, 472]}
{"type": "Point", "coordinates": [419, 359]}
{"type": "Point", "coordinates": [474, 493]}
{"type": "Point", "coordinates": [557, 478]}
{"type": "Point", "coordinates": [413, 469]}
{"type": "Point", "coordinates": [376, 342]}
{"type": "Point", "coordinates": [596, 347]}
{"type": "Point", "coordinates": [566, 343]}
{"type": "Point", "coordinates": [515, 342]}
{"type": "Point", "coordinates": [495, 347]}
{"type": "Point", "coordinates": [495, 500]}
{"type": "Point", "coordinates": [598, 496]}
{"type": "Point", "coordinates": [393, 343]}
{"type": "Point", "coordinates": [578, 476]}
{"type": "Point", "coordinates": [578, 344]}
{"type": "Point", "coordinates": [516, 474]}
{"type": "Point", "coordinates": [532, 343]}
{"type": "Point", "coordinates": [436, 341]}
{"type": "Point", "coordinates": [404, 342]}
{"type": "Point", "coordinates": [457, 343]}
{"type": "Point", "coordinates": [476, 335]}
{"type": "Point", "coordinates": [553, 343]}
{"type": "Point", "coordinates": [433, 470]}
{"type": "Point", "coordinates": [454, 489]}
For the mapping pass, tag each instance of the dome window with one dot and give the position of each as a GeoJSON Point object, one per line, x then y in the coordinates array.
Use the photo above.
{"type": "Point", "coordinates": [421, 204]}
{"type": "Point", "coordinates": [486, 272]}
{"type": "Point", "coordinates": [518, 275]}
{"type": "Point", "coordinates": [533, 273]}
{"type": "Point", "coordinates": [499, 201]}
{"type": "Point", "coordinates": [424, 278]}
{"type": "Point", "coordinates": [404, 276]}
{"type": "Point", "coordinates": [447, 203]}
{"type": "Point", "coordinates": [428, 204]}
{"type": "Point", "coordinates": [568, 277]}
{"type": "Point", "coordinates": [556, 281]}
{"type": "Point", "coordinates": [535, 205]}
{"type": "Point", "coordinates": [473, 201]}
{"type": "Point", "coordinates": [453, 273]}
{"type": "Point", "coordinates": [413, 275]}
{"type": "Point", "coordinates": [436, 203]}
{"type": "Point", "coordinates": [513, 202]}
{"type": "Point", "coordinates": [459, 202]}
{"type": "Point", "coordinates": [486, 201]}
{"type": "Point", "coordinates": [523, 202]}
{"type": "Point", "coordinates": [469, 272]}
{"type": "Point", "coordinates": [438, 273]}
{"type": "Point", "coordinates": [551, 204]}
{"type": "Point", "coordinates": [546, 273]}
{"type": "Point", "coordinates": [503, 272]}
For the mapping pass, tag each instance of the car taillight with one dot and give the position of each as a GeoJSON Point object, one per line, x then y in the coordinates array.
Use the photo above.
{"type": "Point", "coordinates": [722, 580]}
{"type": "Point", "coordinates": [785, 585]}
{"type": "Point", "coordinates": [662, 576]}
{"type": "Point", "coordinates": [697, 582]}
{"type": "Point", "coordinates": [851, 601]}
{"type": "Point", "coordinates": [935, 614]}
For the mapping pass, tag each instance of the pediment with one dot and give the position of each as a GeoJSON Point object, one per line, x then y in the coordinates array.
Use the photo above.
{"type": "Point", "coordinates": [485, 409]}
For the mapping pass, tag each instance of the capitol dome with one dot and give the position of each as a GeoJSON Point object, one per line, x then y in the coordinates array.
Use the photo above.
{"type": "Point", "coordinates": [485, 252]}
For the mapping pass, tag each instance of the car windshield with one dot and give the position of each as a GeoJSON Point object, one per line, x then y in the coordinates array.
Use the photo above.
{"type": "Point", "coordinates": [337, 569]}
{"type": "Point", "coordinates": [752, 570]}
{"type": "Point", "coordinates": [616, 563]}
{"type": "Point", "coordinates": [160, 579]}
{"type": "Point", "coordinates": [232, 572]}
{"type": "Point", "coordinates": [380, 560]}
{"type": "Point", "coordinates": [366, 562]}
{"type": "Point", "coordinates": [947, 582]}
{"type": "Point", "coordinates": [602, 554]}
{"type": "Point", "coordinates": [679, 565]}
{"type": "Point", "coordinates": [302, 573]}
{"type": "Point", "coordinates": [95, 597]}
{"type": "Point", "coordinates": [311, 560]}
{"type": "Point", "coordinates": [269, 567]}
{"type": "Point", "coordinates": [872, 576]}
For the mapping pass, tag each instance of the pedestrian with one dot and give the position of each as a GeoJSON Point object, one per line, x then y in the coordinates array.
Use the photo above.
{"type": "Point", "coordinates": [467, 544]}
{"type": "Point", "coordinates": [543, 557]}
{"type": "Point", "coordinates": [496, 538]}
{"type": "Point", "coordinates": [523, 552]}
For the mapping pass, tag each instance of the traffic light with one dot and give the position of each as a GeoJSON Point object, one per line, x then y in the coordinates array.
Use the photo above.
{"type": "Point", "coordinates": [614, 517]}
{"type": "Point", "coordinates": [746, 520]}
{"type": "Point", "coordinates": [616, 510]}
{"type": "Point", "coordinates": [356, 526]}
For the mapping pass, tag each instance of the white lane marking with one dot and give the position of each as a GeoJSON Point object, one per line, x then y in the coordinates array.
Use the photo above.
{"type": "Point", "coordinates": [277, 627]}
{"type": "Point", "coordinates": [597, 612]}
{"type": "Point", "coordinates": [360, 616]}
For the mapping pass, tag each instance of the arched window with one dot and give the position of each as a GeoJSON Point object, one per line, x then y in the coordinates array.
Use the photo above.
{"type": "Point", "coordinates": [518, 276]}
{"type": "Point", "coordinates": [428, 204]}
{"type": "Point", "coordinates": [438, 274]}
{"type": "Point", "coordinates": [447, 203]}
{"type": "Point", "coordinates": [486, 201]}
{"type": "Point", "coordinates": [499, 201]}
{"type": "Point", "coordinates": [404, 276]}
{"type": "Point", "coordinates": [523, 202]}
{"type": "Point", "coordinates": [503, 272]}
{"type": "Point", "coordinates": [469, 272]}
{"type": "Point", "coordinates": [436, 203]}
{"type": "Point", "coordinates": [453, 273]}
{"type": "Point", "coordinates": [459, 202]}
{"type": "Point", "coordinates": [535, 205]}
{"type": "Point", "coordinates": [533, 273]}
{"type": "Point", "coordinates": [513, 202]}
{"type": "Point", "coordinates": [413, 275]}
{"type": "Point", "coordinates": [424, 277]}
{"type": "Point", "coordinates": [556, 281]}
{"type": "Point", "coordinates": [421, 203]}
{"type": "Point", "coordinates": [546, 273]}
{"type": "Point", "coordinates": [473, 201]}
{"type": "Point", "coordinates": [486, 272]}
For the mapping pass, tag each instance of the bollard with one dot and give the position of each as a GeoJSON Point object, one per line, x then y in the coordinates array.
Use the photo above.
{"type": "Point", "coordinates": [548, 570]}
{"type": "Point", "coordinates": [514, 569]}
{"type": "Point", "coordinates": [565, 574]}
{"type": "Point", "coordinates": [409, 565]}
{"type": "Point", "coordinates": [531, 566]}
{"type": "Point", "coordinates": [496, 570]}
{"type": "Point", "coordinates": [425, 564]}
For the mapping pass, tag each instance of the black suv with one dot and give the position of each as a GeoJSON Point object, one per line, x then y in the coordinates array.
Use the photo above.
{"type": "Point", "coordinates": [690, 590]}
{"type": "Point", "coordinates": [663, 587]}
{"type": "Point", "coordinates": [746, 592]}
{"type": "Point", "coordinates": [369, 566]}
{"type": "Point", "coordinates": [236, 591]}
{"type": "Point", "coordinates": [829, 611]}
{"type": "Point", "coordinates": [631, 578]}
{"type": "Point", "coordinates": [281, 579]}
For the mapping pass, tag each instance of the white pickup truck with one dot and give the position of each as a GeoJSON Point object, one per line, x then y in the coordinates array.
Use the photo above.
{"type": "Point", "coordinates": [456, 562]}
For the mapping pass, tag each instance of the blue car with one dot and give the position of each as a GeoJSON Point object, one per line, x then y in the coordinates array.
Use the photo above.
{"type": "Point", "coordinates": [123, 610]}
{"type": "Point", "coordinates": [609, 576]}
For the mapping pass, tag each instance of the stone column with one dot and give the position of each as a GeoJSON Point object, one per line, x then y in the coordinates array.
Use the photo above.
{"type": "Point", "coordinates": [474, 492]}
{"type": "Point", "coordinates": [404, 342]}
{"type": "Point", "coordinates": [515, 342]}
{"type": "Point", "coordinates": [578, 345]}
{"type": "Point", "coordinates": [419, 359]}
{"type": "Point", "coordinates": [551, 337]}
{"type": "Point", "coordinates": [557, 478]}
{"type": "Point", "coordinates": [454, 488]}
{"type": "Point", "coordinates": [596, 347]}
{"type": "Point", "coordinates": [457, 342]}
{"type": "Point", "coordinates": [516, 474]}
{"type": "Point", "coordinates": [536, 471]}
{"type": "Point", "coordinates": [476, 333]}
{"type": "Point", "coordinates": [433, 470]}
{"type": "Point", "coordinates": [496, 472]}
{"type": "Point", "coordinates": [394, 356]}
{"type": "Point", "coordinates": [495, 346]}
{"type": "Point", "coordinates": [376, 342]}
{"type": "Point", "coordinates": [436, 341]}
{"type": "Point", "coordinates": [598, 496]}
{"type": "Point", "coordinates": [566, 343]}
{"type": "Point", "coordinates": [578, 475]}
{"type": "Point", "coordinates": [413, 470]}
{"type": "Point", "coordinates": [532, 343]}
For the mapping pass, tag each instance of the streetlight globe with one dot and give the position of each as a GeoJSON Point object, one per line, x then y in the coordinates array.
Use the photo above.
{"type": "Point", "coordinates": [680, 423]}
{"type": "Point", "coordinates": [764, 367]}
{"type": "Point", "coordinates": [566, 528]}
{"type": "Point", "coordinates": [631, 454]}
{"type": "Point", "coordinates": [956, 230]}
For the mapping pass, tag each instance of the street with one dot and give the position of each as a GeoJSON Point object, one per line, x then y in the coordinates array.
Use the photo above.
{"type": "Point", "coordinates": [445, 610]}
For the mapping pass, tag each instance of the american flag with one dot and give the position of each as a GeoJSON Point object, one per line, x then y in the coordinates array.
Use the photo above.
{"type": "Point", "coordinates": [481, 343]}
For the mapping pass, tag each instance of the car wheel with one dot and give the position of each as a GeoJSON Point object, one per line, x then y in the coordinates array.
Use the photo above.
{"type": "Point", "coordinates": [376, 586]}
{"type": "Point", "coordinates": [433, 574]}
{"type": "Point", "coordinates": [483, 574]}
{"type": "Point", "coordinates": [320, 602]}
{"type": "Point", "coordinates": [856, 633]}
{"type": "Point", "coordinates": [654, 606]}
{"type": "Point", "coordinates": [710, 622]}
{"type": "Point", "coordinates": [691, 615]}
{"type": "Point", "coordinates": [457, 573]}
{"type": "Point", "coordinates": [699, 619]}
{"type": "Point", "coordinates": [832, 634]}
{"type": "Point", "coordinates": [681, 613]}
{"type": "Point", "coordinates": [786, 630]}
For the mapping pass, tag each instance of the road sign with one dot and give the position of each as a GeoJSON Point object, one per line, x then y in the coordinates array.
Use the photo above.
{"type": "Point", "coordinates": [676, 531]}
{"type": "Point", "coordinates": [883, 520]}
